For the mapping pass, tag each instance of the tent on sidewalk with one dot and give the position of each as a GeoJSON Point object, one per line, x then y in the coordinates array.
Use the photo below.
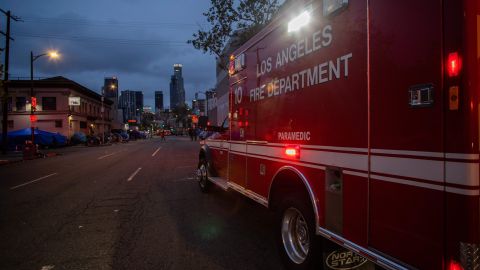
{"type": "Point", "coordinates": [42, 138]}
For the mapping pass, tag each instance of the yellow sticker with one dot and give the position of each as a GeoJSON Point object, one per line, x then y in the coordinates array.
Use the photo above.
{"type": "Point", "coordinates": [478, 36]}
{"type": "Point", "coordinates": [453, 98]}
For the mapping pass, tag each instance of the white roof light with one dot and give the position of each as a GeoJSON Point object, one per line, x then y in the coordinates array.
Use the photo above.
{"type": "Point", "coordinates": [298, 22]}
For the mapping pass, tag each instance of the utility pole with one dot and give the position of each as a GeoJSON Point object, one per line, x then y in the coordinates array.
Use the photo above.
{"type": "Point", "coordinates": [6, 78]}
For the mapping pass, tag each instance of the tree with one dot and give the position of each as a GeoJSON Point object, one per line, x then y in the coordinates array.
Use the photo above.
{"type": "Point", "coordinates": [232, 18]}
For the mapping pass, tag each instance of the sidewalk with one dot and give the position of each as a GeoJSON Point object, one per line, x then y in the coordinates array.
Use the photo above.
{"type": "Point", "coordinates": [11, 157]}
{"type": "Point", "coordinates": [17, 156]}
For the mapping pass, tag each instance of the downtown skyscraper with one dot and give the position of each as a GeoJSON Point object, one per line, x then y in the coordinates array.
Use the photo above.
{"type": "Point", "coordinates": [158, 101]}
{"type": "Point", "coordinates": [131, 103]}
{"type": "Point", "coordinates": [177, 91]}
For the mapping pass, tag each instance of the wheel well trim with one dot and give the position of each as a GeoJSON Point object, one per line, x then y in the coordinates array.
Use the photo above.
{"type": "Point", "coordinates": [307, 185]}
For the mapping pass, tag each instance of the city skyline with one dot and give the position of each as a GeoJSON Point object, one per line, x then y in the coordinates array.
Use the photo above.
{"type": "Point", "coordinates": [130, 43]}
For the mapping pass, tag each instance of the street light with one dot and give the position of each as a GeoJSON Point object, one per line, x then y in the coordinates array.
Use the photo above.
{"type": "Point", "coordinates": [33, 102]}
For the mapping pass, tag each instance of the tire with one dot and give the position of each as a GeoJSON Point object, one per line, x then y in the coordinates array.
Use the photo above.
{"type": "Point", "coordinates": [202, 176]}
{"type": "Point", "coordinates": [297, 243]}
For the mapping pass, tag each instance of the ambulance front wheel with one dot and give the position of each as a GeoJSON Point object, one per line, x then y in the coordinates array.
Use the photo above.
{"type": "Point", "coordinates": [202, 176]}
{"type": "Point", "coordinates": [297, 243]}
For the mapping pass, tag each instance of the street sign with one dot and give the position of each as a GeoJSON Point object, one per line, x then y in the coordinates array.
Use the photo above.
{"type": "Point", "coordinates": [74, 101]}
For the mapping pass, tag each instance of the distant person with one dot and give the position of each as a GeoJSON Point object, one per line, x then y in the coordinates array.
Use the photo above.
{"type": "Point", "coordinates": [190, 133]}
{"type": "Point", "coordinates": [195, 133]}
{"type": "Point", "coordinates": [162, 135]}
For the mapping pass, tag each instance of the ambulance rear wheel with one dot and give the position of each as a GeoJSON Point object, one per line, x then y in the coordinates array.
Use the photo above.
{"type": "Point", "coordinates": [297, 243]}
{"type": "Point", "coordinates": [202, 176]}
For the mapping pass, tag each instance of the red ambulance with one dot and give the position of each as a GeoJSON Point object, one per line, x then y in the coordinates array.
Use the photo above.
{"type": "Point", "coordinates": [357, 121]}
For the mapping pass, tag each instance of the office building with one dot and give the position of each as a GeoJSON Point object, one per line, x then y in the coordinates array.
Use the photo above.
{"type": "Point", "coordinates": [198, 105]}
{"type": "Point", "coordinates": [131, 102]}
{"type": "Point", "coordinates": [158, 101]}
{"type": "Point", "coordinates": [177, 91]}
{"type": "Point", "coordinates": [139, 103]}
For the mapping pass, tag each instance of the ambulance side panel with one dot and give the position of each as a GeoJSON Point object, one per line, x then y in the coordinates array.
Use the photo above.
{"type": "Point", "coordinates": [406, 198]}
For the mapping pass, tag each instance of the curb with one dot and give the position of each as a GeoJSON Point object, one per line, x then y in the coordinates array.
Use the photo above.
{"type": "Point", "coordinates": [46, 155]}
{"type": "Point", "coordinates": [6, 162]}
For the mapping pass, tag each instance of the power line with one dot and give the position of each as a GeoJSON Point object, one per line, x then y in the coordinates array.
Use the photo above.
{"type": "Point", "coordinates": [108, 23]}
{"type": "Point", "coordinates": [104, 40]}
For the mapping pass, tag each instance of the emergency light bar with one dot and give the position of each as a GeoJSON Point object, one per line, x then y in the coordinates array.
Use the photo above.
{"type": "Point", "coordinates": [332, 6]}
{"type": "Point", "coordinates": [298, 22]}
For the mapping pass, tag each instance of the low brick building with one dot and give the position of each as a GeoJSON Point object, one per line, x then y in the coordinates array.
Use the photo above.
{"type": "Point", "coordinates": [54, 114]}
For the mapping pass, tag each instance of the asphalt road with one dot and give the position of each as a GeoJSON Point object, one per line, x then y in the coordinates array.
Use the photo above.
{"type": "Point", "coordinates": [127, 206]}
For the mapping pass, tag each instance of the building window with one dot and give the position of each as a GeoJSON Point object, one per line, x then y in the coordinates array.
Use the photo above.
{"type": "Point", "coordinates": [9, 104]}
{"type": "Point", "coordinates": [49, 103]}
{"type": "Point", "coordinates": [58, 123]}
{"type": "Point", "coordinates": [83, 124]}
{"type": "Point", "coordinates": [21, 104]}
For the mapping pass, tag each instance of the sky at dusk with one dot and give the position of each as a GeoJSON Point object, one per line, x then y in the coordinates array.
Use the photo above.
{"type": "Point", "coordinates": [137, 41]}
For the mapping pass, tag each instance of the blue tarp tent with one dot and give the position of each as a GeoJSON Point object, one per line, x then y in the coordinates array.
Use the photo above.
{"type": "Point", "coordinates": [79, 137]}
{"type": "Point", "coordinates": [43, 138]}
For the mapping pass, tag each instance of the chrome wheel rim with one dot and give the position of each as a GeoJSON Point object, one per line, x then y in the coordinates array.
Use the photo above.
{"type": "Point", "coordinates": [295, 236]}
{"type": "Point", "coordinates": [202, 175]}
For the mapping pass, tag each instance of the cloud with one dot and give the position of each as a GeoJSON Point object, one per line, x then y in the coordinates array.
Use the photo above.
{"type": "Point", "coordinates": [138, 43]}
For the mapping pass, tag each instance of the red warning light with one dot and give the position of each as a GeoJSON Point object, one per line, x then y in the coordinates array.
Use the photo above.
{"type": "Point", "coordinates": [454, 64]}
{"type": "Point", "coordinates": [231, 66]}
{"type": "Point", "coordinates": [34, 103]}
{"type": "Point", "coordinates": [292, 151]}
{"type": "Point", "coordinates": [454, 266]}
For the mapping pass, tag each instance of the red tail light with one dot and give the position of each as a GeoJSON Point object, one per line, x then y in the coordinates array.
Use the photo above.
{"type": "Point", "coordinates": [454, 64]}
{"type": "Point", "coordinates": [292, 151]}
{"type": "Point", "coordinates": [454, 266]}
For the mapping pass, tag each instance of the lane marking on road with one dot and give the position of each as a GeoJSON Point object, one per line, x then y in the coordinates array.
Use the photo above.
{"type": "Point", "coordinates": [33, 181]}
{"type": "Point", "coordinates": [133, 174]}
{"type": "Point", "coordinates": [102, 157]}
{"type": "Point", "coordinates": [154, 153]}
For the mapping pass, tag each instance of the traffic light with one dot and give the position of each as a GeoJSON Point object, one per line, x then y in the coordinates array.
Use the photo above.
{"type": "Point", "coordinates": [34, 103]}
